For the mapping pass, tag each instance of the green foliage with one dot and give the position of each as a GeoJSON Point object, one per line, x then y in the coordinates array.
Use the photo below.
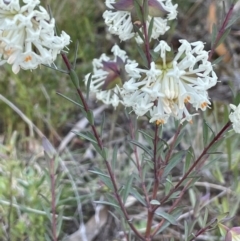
{"type": "Point", "coordinates": [20, 190]}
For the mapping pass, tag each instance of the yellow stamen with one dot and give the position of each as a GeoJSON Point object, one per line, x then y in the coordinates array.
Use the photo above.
{"type": "Point", "coordinates": [28, 58]}
{"type": "Point", "coordinates": [160, 122]}
{"type": "Point", "coordinates": [9, 52]}
{"type": "Point", "coordinates": [187, 99]}
{"type": "Point", "coordinates": [203, 105]}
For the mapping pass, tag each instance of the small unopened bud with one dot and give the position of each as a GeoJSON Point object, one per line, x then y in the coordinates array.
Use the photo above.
{"type": "Point", "coordinates": [116, 73]}
{"type": "Point", "coordinates": [155, 9]}
{"type": "Point", "coordinates": [6, 1]}
{"type": "Point", "coordinates": [124, 5]}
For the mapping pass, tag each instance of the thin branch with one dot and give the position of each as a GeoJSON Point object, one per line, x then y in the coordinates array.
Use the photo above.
{"type": "Point", "coordinates": [215, 139]}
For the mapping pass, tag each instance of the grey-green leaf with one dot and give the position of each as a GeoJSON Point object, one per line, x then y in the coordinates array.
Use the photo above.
{"type": "Point", "coordinates": [166, 216]}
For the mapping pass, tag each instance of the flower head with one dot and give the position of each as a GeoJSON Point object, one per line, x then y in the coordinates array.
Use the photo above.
{"type": "Point", "coordinates": [108, 75]}
{"type": "Point", "coordinates": [235, 117]}
{"type": "Point", "coordinates": [121, 17]}
{"type": "Point", "coordinates": [27, 37]}
{"type": "Point", "coordinates": [174, 82]}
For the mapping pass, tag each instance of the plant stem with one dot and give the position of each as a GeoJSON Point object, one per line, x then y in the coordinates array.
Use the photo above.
{"type": "Point", "coordinates": [146, 38]}
{"type": "Point", "coordinates": [221, 31]}
{"type": "Point", "coordinates": [195, 163]}
{"type": "Point", "coordinates": [100, 144]}
{"type": "Point", "coordinates": [156, 163]}
{"type": "Point", "coordinates": [53, 202]}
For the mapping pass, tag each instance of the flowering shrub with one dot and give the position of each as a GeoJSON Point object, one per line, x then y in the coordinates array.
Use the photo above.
{"type": "Point", "coordinates": [166, 84]}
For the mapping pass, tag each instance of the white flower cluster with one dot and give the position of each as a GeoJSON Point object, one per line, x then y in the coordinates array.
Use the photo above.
{"type": "Point", "coordinates": [235, 117]}
{"type": "Point", "coordinates": [166, 89]}
{"type": "Point", "coordinates": [108, 75]}
{"type": "Point", "coordinates": [121, 17]}
{"type": "Point", "coordinates": [173, 83]}
{"type": "Point", "coordinates": [27, 37]}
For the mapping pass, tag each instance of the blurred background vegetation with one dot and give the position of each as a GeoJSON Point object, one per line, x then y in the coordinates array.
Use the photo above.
{"type": "Point", "coordinates": [24, 184]}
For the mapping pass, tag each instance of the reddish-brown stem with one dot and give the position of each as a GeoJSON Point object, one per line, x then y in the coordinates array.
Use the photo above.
{"type": "Point", "coordinates": [202, 230]}
{"type": "Point", "coordinates": [100, 144]}
{"type": "Point", "coordinates": [155, 185]}
{"type": "Point", "coordinates": [221, 31]}
{"type": "Point", "coordinates": [53, 202]}
{"type": "Point", "coordinates": [195, 163]}
{"type": "Point", "coordinates": [149, 225]}
{"type": "Point", "coordinates": [146, 39]}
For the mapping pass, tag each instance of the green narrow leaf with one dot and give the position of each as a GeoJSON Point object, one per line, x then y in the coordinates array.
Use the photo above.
{"type": "Point", "coordinates": [233, 19]}
{"type": "Point", "coordinates": [99, 150]}
{"type": "Point", "coordinates": [162, 144]}
{"type": "Point", "coordinates": [167, 216]}
{"type": "Point", "coordinates": [216, 145]}
{"type": "Point", "coordinates": [145, 10]}
{"type": "Point", "coordinates": [59, 222]}
{"type": "Point", "coordinates": [191, 226]}
{"type": "Point", "coordinates": [59, 192]}
{"type": "Point", "coordinates": [104, 153]}
{"type": "Point", "coordinates": [205, 133]}
{"type": "Point", "coordinates": [174, 195]}
{"type": "Point", "coordinates": [137, 8]}
{"type": "Point", "coordinates": [146, 135]}
{"type": "Point", "coordinates": [150, 29]}
{"type": "Point", "coordinates": [138, 196]}
{"type": "Point", "coordinates": [107, 203]}
{"type": "Point", "coordinates": [145, 170]}
{"type": "Point", "coordinates": [67, 98]}
{"type": "Point", "coordinates": [176, 158]}
{"type": "Point", "coordinates": [74, 78]}
{"type": "Point", "coordinates": [86, 136]}
{"type": "Point", "coordinates": [205, 218]}
{"type": "Point", "coordinates": [180, 137]}
{"type": "Point", "coordinates": [88, 86]}
{"type": "Point", "coordinates": [102, 123]}
{"type": "Point", "coordinates": [175, 213]}
{"type": "Point", "coordinates": [90, 117]}
{"type": "Point", "coordinates": [229, 152]}
{"type": "Point", "coordinates": [189, 157]}
{"type": "Point", "coordinates": [186, 232]}
{"type": "Point", "coordinates": [47, 238]}
{"type": "Point", "coordinates": [217, 60]}
{"type": "Point", "coordinates": [144, 148]}
{"type": "Point", "coordinates": [214, 34]}
{"type": "Point", "coordinates": [114, 157]}
{"type": "Point", "coordinates": [226, 33]}
{"type": "Point", "coordinates": [143, 55]}
{"type": "Point", "coordinates": [99, 173]}
{"type": "Point", "coordinates": [137, 30]}
{"type": "Point", "coordinates": [127, 188]}
{"type": "Point", "coordinates": [47, 211]}
{"type": "Point", "coordinates": [75, 55]}
{"type": "Point", "coordinates": [168, 185]}
{"type": "Point", "coordinates": [107, 181]}
{"type": "Point", "coordinates": [155, 202]}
